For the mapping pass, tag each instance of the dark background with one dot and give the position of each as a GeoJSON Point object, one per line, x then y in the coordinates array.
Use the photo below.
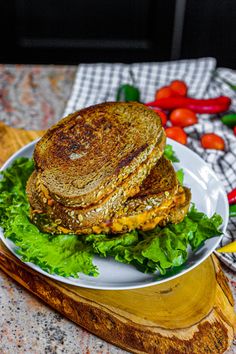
{"type": "Point", "coordinates": [74, 31]}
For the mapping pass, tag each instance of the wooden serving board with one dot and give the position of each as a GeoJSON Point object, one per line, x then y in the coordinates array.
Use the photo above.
{"type": "Point", "coordinates": [191, 314]}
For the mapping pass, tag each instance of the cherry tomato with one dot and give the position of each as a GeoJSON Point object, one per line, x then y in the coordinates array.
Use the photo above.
{"type": "Point", "coordinates": [183, 117]}
{"type": "Point", "coordinates": [162, 115]}
{"type": "Point", "coordinates": [235, 130]}
{"type": "Point", "coordinates": [212, 141]}
{"type": "Point", "coordinates": [164, 92]}
{"type": "Point", "coordinates": [178, 134]}
{"type": "Point", "coordinates": [179, 87]}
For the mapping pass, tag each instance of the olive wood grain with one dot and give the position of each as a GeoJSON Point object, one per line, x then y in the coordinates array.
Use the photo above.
{"type": "Point", "coordinates": [190, 314]}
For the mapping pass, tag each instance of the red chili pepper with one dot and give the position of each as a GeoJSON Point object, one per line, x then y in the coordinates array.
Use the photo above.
{"type": "Point", "coordinates": [235, 130]}
{"type": "Point", "coordinates": [210, 105]}
{"type": "Point", "coordinates": [232, 196]}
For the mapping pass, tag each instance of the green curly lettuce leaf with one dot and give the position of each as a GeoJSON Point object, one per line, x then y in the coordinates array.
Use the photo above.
{"type": "Point", "coordinates": [180, 176]}
{"type": "Point", "coordinates": [65, 255]}
{"type": "Point", "coordinates": [170, 154]}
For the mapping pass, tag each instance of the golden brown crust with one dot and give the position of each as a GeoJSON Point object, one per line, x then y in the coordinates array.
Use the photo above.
{"type": "Point", "coordinates": [85, 156]}
{"type": "Point", "coordinates": [160, 185]}
{"type": "Point", "coordinates": [142, 211]}
{"type": "Point", "coordinates": [80, 218]}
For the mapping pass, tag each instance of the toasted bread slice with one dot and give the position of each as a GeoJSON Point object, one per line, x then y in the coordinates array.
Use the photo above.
{"type": "Point", "coordinates": [150, 206]}
{"type": "Point", "coordinates": [84, 157]}
{"type": "Point", "coordinates": [92, 215]}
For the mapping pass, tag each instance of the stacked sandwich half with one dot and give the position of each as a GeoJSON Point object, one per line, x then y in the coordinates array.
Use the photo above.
{"type": "Point", "coordinates": [102, 170]}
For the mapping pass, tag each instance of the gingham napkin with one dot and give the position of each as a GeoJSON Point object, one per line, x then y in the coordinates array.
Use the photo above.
{"type": "Point", "coordinates": [97, 83]}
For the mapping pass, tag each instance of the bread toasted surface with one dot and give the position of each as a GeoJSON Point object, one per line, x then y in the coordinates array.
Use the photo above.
{"type": "Point", "coordinates": [161, 184]}
{"type": "Point", "coordinates": [101, 170]}
{"type": "Point", "coordinates": [158, 195]}
{"type": "Point", "coordinates": [95, 213]}
{"type": "Point", "coordinates": [83, 158]}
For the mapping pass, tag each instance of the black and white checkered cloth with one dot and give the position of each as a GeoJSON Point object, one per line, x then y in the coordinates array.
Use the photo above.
{"type": "Point", "coordinates": [97, 83]}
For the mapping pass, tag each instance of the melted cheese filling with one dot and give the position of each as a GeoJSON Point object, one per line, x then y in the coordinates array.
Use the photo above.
{"type": "Point", "coordinates": [145, 221]}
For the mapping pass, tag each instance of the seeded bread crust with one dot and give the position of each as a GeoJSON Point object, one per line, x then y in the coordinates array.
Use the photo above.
{"type": "Point", "coordinates": [180, 207]}
{"type": "Point", "coordinates": [144, 210]}
{"type": "Point", "coordinates": [172, 213]}
{"type": "Point", "coordinates": [159, 186]}
{"type": "Point", "coordinates": [83, 158]}
{"type": "Point", "coordinates": [170, 210]}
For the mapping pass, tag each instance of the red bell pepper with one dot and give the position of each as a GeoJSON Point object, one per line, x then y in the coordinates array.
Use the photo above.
{"type": "Point", "coordinates": [210, 105]}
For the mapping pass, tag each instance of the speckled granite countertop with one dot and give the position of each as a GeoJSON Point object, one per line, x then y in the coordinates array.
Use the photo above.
{"type": "Point", "coordinates": [34, 97]}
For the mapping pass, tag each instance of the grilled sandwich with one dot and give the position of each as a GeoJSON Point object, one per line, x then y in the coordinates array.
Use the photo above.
{"type": "Point", "coordinates": [101, 170]}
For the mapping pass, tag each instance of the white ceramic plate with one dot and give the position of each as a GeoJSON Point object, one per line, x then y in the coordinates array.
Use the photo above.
{"type": "Point", "coordinates": [208, 196]}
